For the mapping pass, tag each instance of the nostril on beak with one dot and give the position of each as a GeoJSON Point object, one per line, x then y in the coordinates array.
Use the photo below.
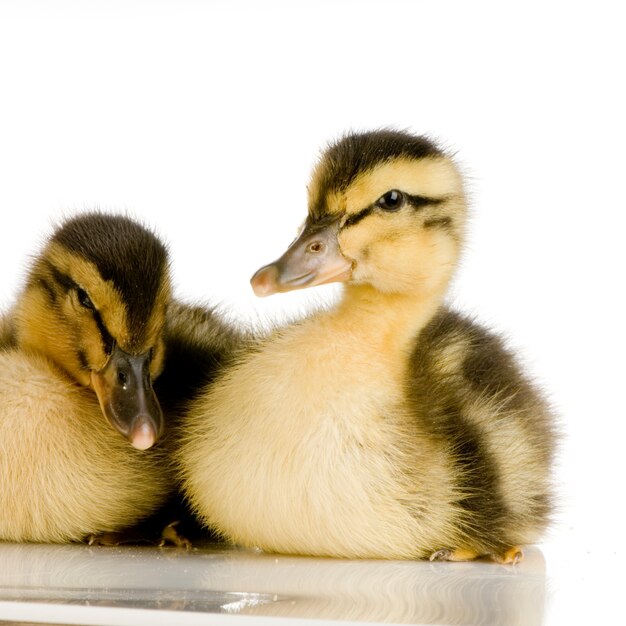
{"type": "Point", "coordinates": [316, 247]}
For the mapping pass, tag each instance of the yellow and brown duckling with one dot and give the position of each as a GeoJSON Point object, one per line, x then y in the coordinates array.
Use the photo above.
{"type": "Point", "coordinates": [387, 426]}
{"type": "Point", "coordinates": [84, 343]}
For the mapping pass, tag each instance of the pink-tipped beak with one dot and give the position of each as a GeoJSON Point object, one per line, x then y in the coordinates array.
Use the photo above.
{"type": "Point", "coordinates": [124, 390]}
{"type": "Point", "coordinates": [314, 258]}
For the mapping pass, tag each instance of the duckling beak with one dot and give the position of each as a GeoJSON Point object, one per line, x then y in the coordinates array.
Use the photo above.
{"type": "Point", "coordinates": [314, 258]}
{"type": "Point", "coordinates": [126, 397]}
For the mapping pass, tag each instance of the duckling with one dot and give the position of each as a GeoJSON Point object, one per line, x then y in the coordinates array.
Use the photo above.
{"type": "Point", "coordinates": [387, 426]}
{"type": "Point", "coordinates": [83, 343]}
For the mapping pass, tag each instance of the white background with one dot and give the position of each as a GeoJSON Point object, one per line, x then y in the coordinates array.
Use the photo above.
{"type": "Point", "coordinates": [204, 118]}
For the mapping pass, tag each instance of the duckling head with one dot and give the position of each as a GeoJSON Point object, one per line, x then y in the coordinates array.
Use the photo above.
{"type": "Point", "coordinates": [94, 304]}
{"type": "Point", "coordinates": [386, 208]}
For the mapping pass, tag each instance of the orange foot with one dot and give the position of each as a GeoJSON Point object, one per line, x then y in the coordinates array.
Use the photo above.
{"type": "Point", "coordinates": [460, 554]}
{"type": "Point", "coordinates": [511, 556]}
{"type": "Point", "coordinates": [110, 538]}
{"type": "Point", "coordinates": [169, 535]}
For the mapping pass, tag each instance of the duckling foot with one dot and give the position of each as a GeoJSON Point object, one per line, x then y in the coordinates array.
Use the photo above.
{"type": "Point", "coordinates": [107, 539]}
{"type": "Point", "coordinates": [169, 535]}
{"type": "Point", "coordinates": [460, 554]}
{"type": "Point", "coordinates": [512, 556]}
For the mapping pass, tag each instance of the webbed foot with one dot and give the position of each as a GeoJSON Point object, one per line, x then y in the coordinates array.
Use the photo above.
{"type": "Point", "coordinates": [460, 554]}
{"type": "Point", "coordinates": [512, 556]}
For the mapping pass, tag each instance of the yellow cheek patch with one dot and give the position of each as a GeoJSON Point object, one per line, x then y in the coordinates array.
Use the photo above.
{"type": "Point", "coordinates": [393, 252]}
{"type": "Point", "coordinates": [375, 228]}
{"type": "Point", "coordinates": [38, 330]}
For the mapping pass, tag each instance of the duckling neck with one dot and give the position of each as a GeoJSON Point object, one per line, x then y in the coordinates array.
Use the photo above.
{"type": "Point", "coordinates": [390, 321]}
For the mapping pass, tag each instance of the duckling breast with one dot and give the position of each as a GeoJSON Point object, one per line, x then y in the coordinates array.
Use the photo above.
{"type": "Point", "coordinates": [320, 464]}
{"type": "Point", "coordinates": [65, 472]}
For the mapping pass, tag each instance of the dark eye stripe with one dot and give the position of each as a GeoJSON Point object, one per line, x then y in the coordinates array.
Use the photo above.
{"type": "Point", "coordinates": [417, 202]}
{"type": "Point", "coordinates": [67, 283]}
{"type": "Point", "coordinates": [82, 359]}
{"type": "Point", "coordinates": [438, 222]}
{"type": "Point", "coordinates": [357, 217]}
{"type": "Point", "coordinates": [49, 290]}
{"type": "Point", "coordinates": [107, 340]}
{"type": "Point", "coordinates": [62, 279]}
{"type": "Point", "coordinates": [84, 299]}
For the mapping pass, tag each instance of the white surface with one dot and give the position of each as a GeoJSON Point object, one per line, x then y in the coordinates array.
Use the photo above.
{"type": "Point", "coordinates": [228, 582]}
{"type": "Point", "coordinates": [204, 119]}
{"type": "Point", "coordinates": [216, 584]}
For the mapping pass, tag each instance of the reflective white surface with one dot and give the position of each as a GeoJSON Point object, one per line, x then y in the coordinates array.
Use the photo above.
{"type": "Point", "coordinates": [565, 582]}
{"type": "Point", "coordinates": [96, 585]}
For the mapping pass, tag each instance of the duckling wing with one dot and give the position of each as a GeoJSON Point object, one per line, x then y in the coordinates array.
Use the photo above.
{"type": "Point", "coordinates": [468, 391]}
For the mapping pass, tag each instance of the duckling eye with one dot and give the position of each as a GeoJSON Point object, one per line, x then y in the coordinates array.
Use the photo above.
{"type": "Point", "coordinates": [391, 201]}
{"type": "Point", "coordinates": [84, 299]}
{"type": "Point", "coordinates": [316, 247]}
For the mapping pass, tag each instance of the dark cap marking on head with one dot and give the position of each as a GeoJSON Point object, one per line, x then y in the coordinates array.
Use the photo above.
{"type": "Point", "coordinates": [125, 253]}
{"type": "Point", "coordinates": [356, 153]}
